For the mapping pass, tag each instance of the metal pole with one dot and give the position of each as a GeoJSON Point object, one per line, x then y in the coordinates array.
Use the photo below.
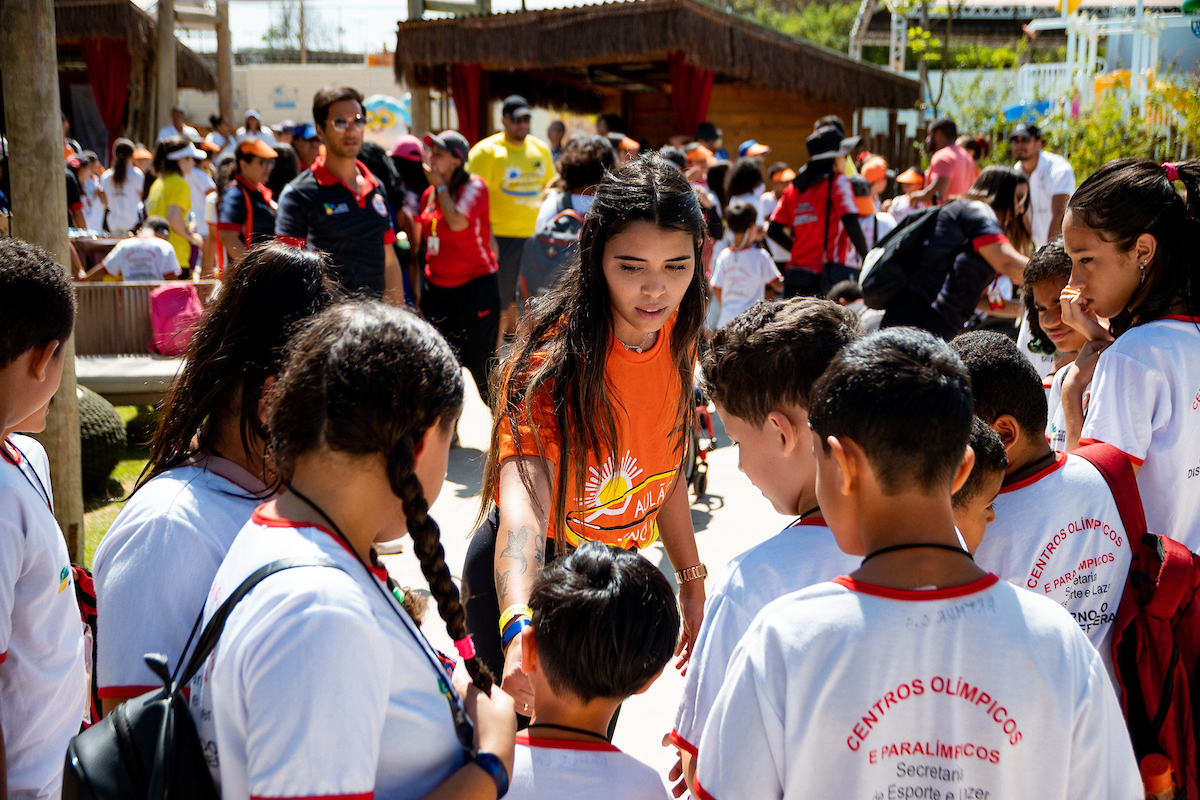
{"type": "Point", "coordinates": [29, 62]}
{"type": "Point", "coordinates": [165, 53]}
{"type": "Point", "coordinates": [224, 61]}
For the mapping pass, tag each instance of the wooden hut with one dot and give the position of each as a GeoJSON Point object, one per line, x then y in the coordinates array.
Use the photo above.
{"type": "Point", "coordinates": [111, 45]}
{"type": "Point", "coordinates": [663, 65]}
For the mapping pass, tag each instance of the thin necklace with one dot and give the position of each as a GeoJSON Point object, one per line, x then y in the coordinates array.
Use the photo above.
{"type": "Point", "coordinates": [568, 729]}
{"type": "Point", "coordinates": [637, 348]}
{"type": "Point", "coordinates": [911, 545]}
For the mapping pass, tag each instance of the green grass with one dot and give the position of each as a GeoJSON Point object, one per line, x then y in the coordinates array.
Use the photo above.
{"type": "Point", "coordinates": [102, 509]}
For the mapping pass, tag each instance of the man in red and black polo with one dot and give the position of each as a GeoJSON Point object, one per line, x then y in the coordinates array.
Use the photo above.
{"type": "Point", "coordinates": [338, 207]}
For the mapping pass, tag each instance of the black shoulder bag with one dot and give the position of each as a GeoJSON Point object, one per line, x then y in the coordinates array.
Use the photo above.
{"type": "Point", "coordinates": [147, 748]}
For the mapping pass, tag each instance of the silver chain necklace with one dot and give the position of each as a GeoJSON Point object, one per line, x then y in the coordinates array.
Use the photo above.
{"type": "Point", "coordinates": [637, 348]}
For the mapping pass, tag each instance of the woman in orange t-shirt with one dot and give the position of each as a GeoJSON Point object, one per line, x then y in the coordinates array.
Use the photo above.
{"type": "Point", "coordinates": [594, 411]}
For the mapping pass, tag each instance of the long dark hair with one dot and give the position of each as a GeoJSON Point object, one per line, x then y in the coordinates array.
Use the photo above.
{"type": "Point", "coordinates": [1131, 196]}
{"type": "Point", "coordinates": [997, 186]}
{"type": "Point", "coordinates": [563, 343]}
{"type": "Point", "coordinates": [122, 152]}
{"type": "Point", "coordinates": [238, 345]}
{"type": "Point", "coordinates": [716, 183]}
{"type": "Point", "coordinates": [745, 177]}
{"type": "Point", "coordinates": [1049, 263]}
{"type": "Point", "coordinates": [365, 378]}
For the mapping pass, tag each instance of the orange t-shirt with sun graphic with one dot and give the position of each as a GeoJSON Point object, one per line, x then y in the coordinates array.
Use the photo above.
{"type": "Point", "coordinates": [623, 491]}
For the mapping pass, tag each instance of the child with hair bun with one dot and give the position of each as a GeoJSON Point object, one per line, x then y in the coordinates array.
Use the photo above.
{"type": "Point", "coordinates": [321, 683]}
{"type": "Point", "coordinates": [1132, 241]}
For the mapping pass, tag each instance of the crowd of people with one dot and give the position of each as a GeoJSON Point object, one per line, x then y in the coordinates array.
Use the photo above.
{"type": "Point", "coordinates": [939, 620]}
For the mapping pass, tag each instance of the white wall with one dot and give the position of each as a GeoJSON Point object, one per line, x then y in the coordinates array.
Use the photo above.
{"type": "Point", "coordinates": [285, 91]}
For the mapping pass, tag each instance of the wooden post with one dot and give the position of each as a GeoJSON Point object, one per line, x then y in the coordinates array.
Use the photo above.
{"type": "Point", "coordinates": [224, 61]}
{"type": "Point", "coordinates": [29, 62]}
{"type": "Point", "coordinates": [303, 37]}
{"type": "Point", "coordinates": [165, 53]}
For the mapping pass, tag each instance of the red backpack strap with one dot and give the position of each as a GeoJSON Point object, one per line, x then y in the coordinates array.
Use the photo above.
{"type": "Point", "coordinates": [1122, 481]}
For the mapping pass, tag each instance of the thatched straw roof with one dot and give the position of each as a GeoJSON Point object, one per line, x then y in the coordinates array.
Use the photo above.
{"type": "Point", "coordinates": [121, 19]}
{"type": "Point", "coordinates": [644, 30]}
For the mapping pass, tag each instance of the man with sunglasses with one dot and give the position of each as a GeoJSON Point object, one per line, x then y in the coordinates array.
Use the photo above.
{"type": "Point", "coordinates": [1051, 182]}
{"type": "Point", "coordinates": [338, 207]}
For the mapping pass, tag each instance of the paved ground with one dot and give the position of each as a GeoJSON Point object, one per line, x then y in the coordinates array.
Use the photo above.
{"type": "Point", "coordinates": [733, 517]}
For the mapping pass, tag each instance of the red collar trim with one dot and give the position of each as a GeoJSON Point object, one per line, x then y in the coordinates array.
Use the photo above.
{"type": "Point", "coordinates": [262, 190]}
{"type": "Point", "coordinates": [1182, 318]}
{"type": "Point", "coordinates": [4, 451]}
{"type": "Point", "coordinates": [326, 178]}
{"type": "Point", "coordinates": [1058, 464]}
{"type": "Point", "coordinates": [815, 521]}
{"type": "Point", "coordinates": [913, 595]}
{"type": "Point", "coordinates": [259, 517]}
{"type": "Point", "coordinates": [565, 744]}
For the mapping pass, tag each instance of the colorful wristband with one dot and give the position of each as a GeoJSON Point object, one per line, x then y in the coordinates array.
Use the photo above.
{"type": "Point", "coordinates": [494, 767]}
{"type": "Point", "coordinates": [513, 630]}
{"type": "Point", "coordinates": [512, 612]}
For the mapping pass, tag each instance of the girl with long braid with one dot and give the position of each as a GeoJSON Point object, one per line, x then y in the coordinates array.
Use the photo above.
{"type": "Point", "coordinates": [321, 684]}
{"type": "Point", "coordinates": [594, 411]}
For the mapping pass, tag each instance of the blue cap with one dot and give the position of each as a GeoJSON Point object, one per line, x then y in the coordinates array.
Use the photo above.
{"type": "Point", "coordinates": [305, 130]}
{"type": "Point", "coordinates": [752, 148]}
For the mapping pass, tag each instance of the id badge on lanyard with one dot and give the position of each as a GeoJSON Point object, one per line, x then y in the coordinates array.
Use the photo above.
{"type": "Point", "coordinates": [432, 244]}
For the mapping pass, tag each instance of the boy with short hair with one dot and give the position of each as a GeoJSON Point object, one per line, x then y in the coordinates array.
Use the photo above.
{"type": "Point", "coordinates": [758, 371]}
{"type": "Point", "coordinates": [919, 675]}
{"type": "Point", "coordinates": [43, 684]}
{"type": "Point", "coordinates": [973, 503]}
{"type": "Point", "coordinates": [604, 626]}
{"type": "Point", "coordinates": [742, 271]}
{"type": "Point", "coordinates": [145, 257]}
{"type": "Point", "coordinates": [1058, 529]}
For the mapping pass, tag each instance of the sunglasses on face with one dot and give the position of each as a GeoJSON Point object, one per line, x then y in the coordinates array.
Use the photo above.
{"type": "Point", "coordinates": [1019, 139]}
{"type": "Point", "coordinates": [358, 122]}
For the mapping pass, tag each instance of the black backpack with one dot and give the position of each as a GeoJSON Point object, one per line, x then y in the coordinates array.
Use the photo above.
{"type": "Point", "coordinates": [890, 265]}
{"type": "Point", "coordinates": [147, 748]}
{"type": "Point", "coordinates": [551, 249]}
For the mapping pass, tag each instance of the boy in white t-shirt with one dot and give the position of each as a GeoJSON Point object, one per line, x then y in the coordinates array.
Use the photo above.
{"type": "Point", "coordinates": [919, 675]}
{"type": "Point", "coordinates": [759, 371]}
{"type": "Point", "coordinates": [743, 272]}
{"type": "Point", "coordinates": [43, 681]}
{"type": "Point", "coordinates": [145, 257]}
{"type": "Point", "coordinates": [603, 626]}
{"type": "Point", "coordinates": [1058, 530]}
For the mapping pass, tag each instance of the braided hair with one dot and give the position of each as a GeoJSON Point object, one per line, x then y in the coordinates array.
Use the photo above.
{"type": "Point", "coordinates": [366, 378]}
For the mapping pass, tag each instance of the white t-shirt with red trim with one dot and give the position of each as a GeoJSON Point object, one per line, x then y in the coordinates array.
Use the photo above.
{"type": "Point", "coordinates": [154, 567]}
{"type": "Point", "coordinates": [551, 769]}
{"type": "Point", "coordinates": [43, 679]}
{"type": "Point", "coordinates": [1145, 401]}
{"type": "Point", "coordinates": [975, 692]}
{"type": "Point", "coordinates": [1059, 533]}
{"type": "Point", "coordinates": [320, 684]}
{"type": "Point", "coordinates": [803, 554]}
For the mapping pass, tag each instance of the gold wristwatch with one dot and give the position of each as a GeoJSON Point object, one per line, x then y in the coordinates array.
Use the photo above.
{"type": "Point", "coordinates": [697, 572]}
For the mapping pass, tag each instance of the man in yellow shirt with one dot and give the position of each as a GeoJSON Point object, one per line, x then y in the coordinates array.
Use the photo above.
{"type": "Point", "coordinates": [516, 167]}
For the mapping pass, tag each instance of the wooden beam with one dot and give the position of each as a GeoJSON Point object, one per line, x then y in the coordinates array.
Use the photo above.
{"type": "Point", "coordinates": [29, 63]}
{"type": "Point", "coordinates": [167, 94]}
{"type": "Point", "coordinates": [224, 61]}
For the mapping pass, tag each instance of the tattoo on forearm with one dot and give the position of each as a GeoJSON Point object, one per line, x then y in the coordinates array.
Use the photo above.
{"type": "Point", "coordinates": [515, 549]}
{"type": "Point", "coordinates": [502, 583]}
{"type": "Point", "coordinates": [539, 551]}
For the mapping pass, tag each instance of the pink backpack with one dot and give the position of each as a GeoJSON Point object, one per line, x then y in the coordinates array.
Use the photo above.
{"type": "Point", "coordinates": [175, 310]}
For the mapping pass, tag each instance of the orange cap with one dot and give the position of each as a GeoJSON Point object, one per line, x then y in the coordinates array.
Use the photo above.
{"type": "Point", "coordinates": [1156, 773]}
{"type": "Point", "coordinates": [873, 169]}
{"type": "Point", "coordinates": [700, 153]}
{"type": "Point", "coordinates": [141, 152]}
{"type": "Point", "coordinates": [784, 175]}
{"type": "Point", "coordinates": [910, 176]}
{"type": "Point", "coordinates": [628, 144]}
{"type": "Point", "coordinates": [256, 147]}
{"type": "Point", "coordinates": [866, 206]}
